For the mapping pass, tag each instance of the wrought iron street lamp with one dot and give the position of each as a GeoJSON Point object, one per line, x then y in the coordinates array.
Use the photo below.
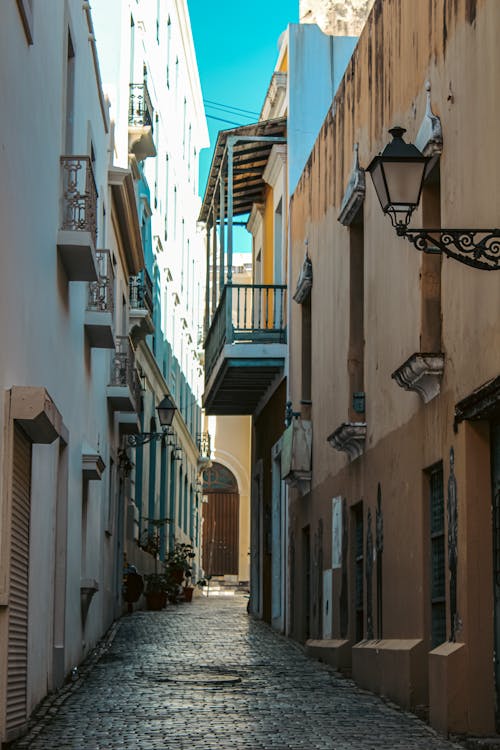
{"type": "Point", "coordinates": [398, 175]}
{"type": "Point", "coordinates": [166, 410]}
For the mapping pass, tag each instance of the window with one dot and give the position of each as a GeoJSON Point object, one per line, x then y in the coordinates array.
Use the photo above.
{"type": "Point", "coordinates": [437, 550]}
{"type": "Point", "coordinates": [358, 571]}
{"type": "Point", "coordinates": [169, 44]}
{"type": "Point", "coordinates": [167, 178]}
{"type": "Point", "coordinates": [306, 349]}
{"type": "Point", "coordinates": [355, 363]}
{"type": "Point", "coordinates": [70, 97]}
{"type": "Point", "coordinates": [26, 11]}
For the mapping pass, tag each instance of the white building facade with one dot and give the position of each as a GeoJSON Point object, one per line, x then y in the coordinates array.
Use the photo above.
{"type": "Point", "coordinates": [70, 240]}
{"type": "Point", "coordinates": [150, 75]}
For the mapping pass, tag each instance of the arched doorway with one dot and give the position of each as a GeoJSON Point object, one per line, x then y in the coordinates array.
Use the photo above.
{"type": "Point", "coordinates": [220, 521]}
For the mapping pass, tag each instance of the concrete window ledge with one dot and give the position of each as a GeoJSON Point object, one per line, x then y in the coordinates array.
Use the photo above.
{"type": "Point", "coordinates": [335, 652]}
{"type": "Point", "coordinates": [395, 668]}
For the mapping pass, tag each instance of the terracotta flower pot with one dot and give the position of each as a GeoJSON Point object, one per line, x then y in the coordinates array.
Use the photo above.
{"type": "Point", "coordinates": [177, 575]}
{"type": "Point", "coordinates": [188, 594]}
{"type": "Point", "coordinates": [156, 600]}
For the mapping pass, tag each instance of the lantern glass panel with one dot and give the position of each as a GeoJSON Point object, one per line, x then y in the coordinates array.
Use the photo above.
{"type": "Point", "coordinates": [377, 175]}
{"type": "Point", "coordinates": [166, 410]}
{"type": "Point", "coordinates": [404, 182]}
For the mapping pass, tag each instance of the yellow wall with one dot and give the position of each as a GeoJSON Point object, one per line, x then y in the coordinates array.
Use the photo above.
{"type": "Point", "coordinates": [283, 66]}
{"type": "Point", "coordinates": [268, 249]}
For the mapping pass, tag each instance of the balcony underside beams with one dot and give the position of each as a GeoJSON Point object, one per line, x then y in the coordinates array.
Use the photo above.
{"type": "Point", "coordinates": [239, 381]}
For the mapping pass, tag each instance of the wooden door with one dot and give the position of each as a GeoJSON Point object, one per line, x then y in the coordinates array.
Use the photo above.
{"type": "Point", "coordinates": [221, 533]}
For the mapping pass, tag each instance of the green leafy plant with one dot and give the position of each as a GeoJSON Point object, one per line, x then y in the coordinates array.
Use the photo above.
{"type": "Point", "coordinates": [178, 565]}
{"type": "Point", "coordinates": [155, 582]}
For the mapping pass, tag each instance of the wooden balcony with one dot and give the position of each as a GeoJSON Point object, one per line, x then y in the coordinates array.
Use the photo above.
{"type": "Point", "coordinates": [245, 348]}
{"type": "Point", "coordinates": [76, 239]}
{"type": "Point", "coordinates": [99, 313]}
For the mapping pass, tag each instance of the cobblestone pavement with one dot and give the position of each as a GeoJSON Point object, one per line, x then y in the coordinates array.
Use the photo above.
{"type": "Point", "coordinates": [205, 675]}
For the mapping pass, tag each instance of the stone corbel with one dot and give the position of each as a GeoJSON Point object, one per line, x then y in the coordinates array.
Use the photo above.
{"type": "Point", "coordinates": [350, 437]}
{"type": "Point", "coordinates": [429, 138]}
{"type": "Point", "coordinates": [354, 195]}
{"type": "Point", "coordinates": [305, 281]}
{"type": "Point", "coordinates": [421, 373]}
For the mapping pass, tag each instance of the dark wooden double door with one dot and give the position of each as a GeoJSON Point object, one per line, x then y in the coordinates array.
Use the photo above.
{"type": "Point", "coordinates": [221, 533]}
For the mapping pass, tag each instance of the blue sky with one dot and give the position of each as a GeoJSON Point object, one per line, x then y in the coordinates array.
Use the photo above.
{"type": "Point", "coordinates": [236, 45]}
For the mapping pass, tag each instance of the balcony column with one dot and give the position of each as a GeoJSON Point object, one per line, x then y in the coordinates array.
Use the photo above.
{"type": "Point", "coordinates": [207, 282]}
{"type": "Point", "coordinates": [230, 147]}
{"type": "Point", "coordinates": [214, 262]}
{"type": "Point", "coordinates": [222, 217]}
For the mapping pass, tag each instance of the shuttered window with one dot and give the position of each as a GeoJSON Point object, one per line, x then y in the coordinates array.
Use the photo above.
{"type": "Point", "coordinates": [438, 562]}
{"type": "Point", "coordinates": [17, 654]}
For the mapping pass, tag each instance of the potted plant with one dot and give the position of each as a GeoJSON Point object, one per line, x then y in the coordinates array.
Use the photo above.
{"type": "Point", "coordinates": [178, 567]}
{"type": "Point", "coordinates": [178, 562]}
{"type": "Point", "coordinates": [188, 592]}
{"type": "Point", "coordinates": [156, 587]}
{"type": "Point", "coordinates": [156, 591]}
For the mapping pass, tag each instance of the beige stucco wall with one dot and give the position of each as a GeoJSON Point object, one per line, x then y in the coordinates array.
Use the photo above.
{"type": "Point", "coordinates": [231, 446]}
{"type": "Point", "coordinates": [404, 44]}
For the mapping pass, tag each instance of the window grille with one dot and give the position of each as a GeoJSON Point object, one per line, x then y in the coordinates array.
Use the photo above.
{"type": "Point", "coordinates": [438, 563]}
{"type": "Point", "coordinates": [359, 571]}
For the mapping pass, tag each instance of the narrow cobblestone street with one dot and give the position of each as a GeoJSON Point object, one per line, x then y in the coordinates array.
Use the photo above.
{"type": "Point", "coordinates": [207, 676]}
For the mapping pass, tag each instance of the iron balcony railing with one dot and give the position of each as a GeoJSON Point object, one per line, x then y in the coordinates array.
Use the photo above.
{"type": "Point", "coordinates": [140, 109]}
{"type": "Point", "coordinates": [247, 313]}
{"type": "Point", "coordinates": [203, 443]}
{"type": "Point", "coordinates": [79, 195]}
{"type": "Point", "coordinates": [123, 372]}
{"type": "Point", "coordinates": [141, 292]}
{"type": "Point", "coordinates": [100, 296]}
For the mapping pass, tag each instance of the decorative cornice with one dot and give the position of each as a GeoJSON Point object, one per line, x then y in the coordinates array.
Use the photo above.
{"type": "Point", "coordinates": [305, 281]}
{"type": "Point", "coordinates": [354, 195]}
{"type": "Point", "coordinates": [275, 164]}
{"type": "Point", "coordinates": [255, 219]}
{"type": "Point", "coordinates": [429, 139]}
{"type": "Point", "coordinates": [421, 373]}
{"type": "Point", "coordinates": [350, 437]}
{"type": "Point", "coordinates": [275, 96]}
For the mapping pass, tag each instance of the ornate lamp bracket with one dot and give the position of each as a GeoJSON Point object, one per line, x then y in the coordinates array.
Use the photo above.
{"type": "Point", "coordinates": [147, 437]}
{"type": "Point", "coordinates": [478, 248]}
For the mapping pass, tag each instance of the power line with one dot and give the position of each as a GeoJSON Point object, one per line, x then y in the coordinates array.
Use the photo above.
{"type": "Point", "coordinates": [229, 106]}
{"type": "Point", "coordinates": [228, 111]}
{"type": "Point", "coordinates": [221, 119]}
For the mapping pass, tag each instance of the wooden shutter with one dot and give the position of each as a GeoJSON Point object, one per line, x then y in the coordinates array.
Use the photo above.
{"type": "Point", "coordinates": [17, 647]}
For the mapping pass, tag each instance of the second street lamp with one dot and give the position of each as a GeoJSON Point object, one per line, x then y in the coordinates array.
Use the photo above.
{"type": "Point", "coordinates": [398, 175]}
{"type": "Point", "coordinates": [166, 410]}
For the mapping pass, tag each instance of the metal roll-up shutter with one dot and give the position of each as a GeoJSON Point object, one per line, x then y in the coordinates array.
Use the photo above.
{"type": "Point", "coordinates": [17, 655]}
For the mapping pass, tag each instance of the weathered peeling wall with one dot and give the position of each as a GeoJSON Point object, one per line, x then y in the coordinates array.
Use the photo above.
{"type": "Point", "coordinates": [339, 18]}
{"type": "Point", "coordinates": [453, 44]}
